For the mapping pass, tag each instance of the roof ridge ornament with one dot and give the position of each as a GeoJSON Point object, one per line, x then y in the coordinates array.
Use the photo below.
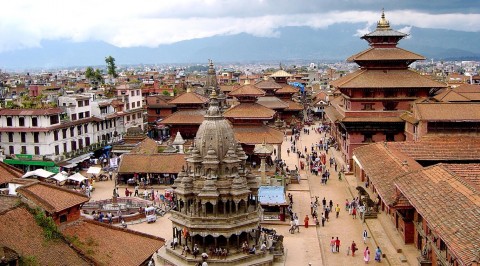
{"type": "Point", "coordinates": [383, 24]}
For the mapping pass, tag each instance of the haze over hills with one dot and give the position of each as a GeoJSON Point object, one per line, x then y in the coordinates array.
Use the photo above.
{"type": "Point", "coordinates": [336, 42]}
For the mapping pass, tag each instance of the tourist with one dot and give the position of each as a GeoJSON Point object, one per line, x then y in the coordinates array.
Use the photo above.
{"type": "Point", "coordinates": [175, 242]}
{"type": "Point", "coordinates": [337, 210]}
{"type": "Point", "coordinates": [195, 251]}
{"type": "Point", "coordinates": [305, 221]}
{"type": "Point", "coordinates": [366, 255]}
{"type": "Point", "coordinates": [252, 250]}
{"type": "Point", "coordinates": [332, 245]}
{"type": "Point", "coordinates": [224, 253]}
{"type": "Point", "coordinates": [292, 227]}
{"type": "Point", "coordinates": [337, 245]}
{"type": "Point", "coordinates": [136, 191]}
{"type": "Point", "coordinates": [185, 250]}
{"type": "Point", "coordinates": [354, 213]}
{"type": "Point", "coordinates": [378, 254]}
{"type": "Point", "coordinates": [323, 219]}
{"type": "Point", "coordinates": [204, 256]}
{"type": "Point", "coordinates": [365, 235]}
{"type": "Point", "coordinates": [347, 204]}
{"type": "Point", "coordinates": [245, 247]}
{"type": "Point", "coordinates": [297, 225]}
{"type": "Point", "coordinates": [353, 248]}
{"type": "Point", "coordinates": [263, 247]}
{"type": "Point", "coordinates": [100, 217]}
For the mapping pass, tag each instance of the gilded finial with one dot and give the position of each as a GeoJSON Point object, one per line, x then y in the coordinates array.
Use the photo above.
{"type": "Point", "coordinates": [383, 24]}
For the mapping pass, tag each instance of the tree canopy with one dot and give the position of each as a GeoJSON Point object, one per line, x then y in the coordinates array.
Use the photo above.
{"type": "Point", "coordinates": [94, 76]}
{"type": "Point", "coordinates": [111, 68]}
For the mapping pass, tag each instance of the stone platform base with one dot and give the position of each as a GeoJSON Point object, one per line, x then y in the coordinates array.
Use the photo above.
{"type": "Point", "coordinates": [167, 256]}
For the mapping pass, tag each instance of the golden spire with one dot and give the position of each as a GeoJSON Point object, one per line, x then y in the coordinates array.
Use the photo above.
{"type": "Point", "coordinates": [383, 24]}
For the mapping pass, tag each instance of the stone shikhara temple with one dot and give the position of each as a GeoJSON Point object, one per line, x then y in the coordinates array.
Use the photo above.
{"type": "Point", "coordinates": [216, 198]}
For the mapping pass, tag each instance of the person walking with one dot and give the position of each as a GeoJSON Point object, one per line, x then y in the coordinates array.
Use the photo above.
{"type": "Point", "coordinates": [365, 235]}
{"type": "Point", "coordinates": [378, 254]}
{"type": "Point", "coordinates": [337, 210]}
{"type": "Point", "coordinates": [353, 248]}
{"type": "Point", "coordinates": [354, 213]}
{"type": "Point", "coordinates": [332, 245]}
{"type": "Point", "coordinates": [305, 221]}
{"type": "Point", "coordinates": [337, 245]}
{"type": "Point", "coordinates": [366, 255]}
{"type": "Point", "coordinates": [296, 224]}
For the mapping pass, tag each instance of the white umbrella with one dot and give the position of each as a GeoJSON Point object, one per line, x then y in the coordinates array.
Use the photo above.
{"type": "Point", "coordinates": [94, 170]}
{"type": "Point", "coordinates": [77, 177]}
{"type": "Point", "coordinates": [38, 172]}
{"type": "Point", "coordinates": [60, 177]}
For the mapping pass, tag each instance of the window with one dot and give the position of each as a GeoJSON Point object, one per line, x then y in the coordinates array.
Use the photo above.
{"type": "Point", "coordinates": [11, 149]}
{"type": "Point", "coordinates": [80, 115]}
{"type": "Point", "coordinates": [57, 150]}
{"type": "Point", "coordinates": [10, 136]}
{"type": "Point", "coordinates": [72, 131]}
{"type": "Point", "coordinates": [390, 137]}
{"type": "Point", "coordinates": [138, 92]}
{"type": "Point", "coordinates": [74, 117]}
{"type": "Point", "coordinates": [411, 93]}
{"type": "Point", "coordinates": [55, 135]}
{"type": "Point", "coordinates": [85, 128]}
{"type": "Point", "coordinates": [114, 123]}
{"type": "Point", "coordinates": [98, 127]}
{"type": "Point", "coordinates": [21, 121]}
{"type": "Point", "coordinates": [368, 94]}
{"type": "Point", "coordinates": [34, 122]}
{"type": "Point", "coordinates": [367, 106]}
{"type": "Point", "coordinates": [110, 122]}
{"type": "Point", "coordinates": [80, 143]}
{"type": "Point", "coordinates": [36, 137]}
{"type": "Point", "coordinates": [87, 114]}
{"type": "Point", "coordinates": [73, 145]}
{"type": "Point", "coordinates": [79, 130]}
{"type": "Point", "coordinates": [24, 150]}
{"type": "Point", "coordinates": [63, 218]}
{"type": "Point", "coordinates": [390, 106]}
{"type": "Point", "coordinates": [128, 118]}
{"type": "Point", "coordinates": [389, 93]}
{"type": "Point", "coordinates": [133, 105]}
{"type": "Point", "coordinates": [54, 120]}
{"type": "Point", "coordinates": [138, 104]}
{"type": "Point", "coordinates": [87, 141]}
{"type": "Point", "coordinates": [101, 125]}
{"type": "Point", "coordinates": [367, 137]}
{"type": "Point", "coordinates": [132, 93]}
{"type": "Point", "coordinates": [23, 137]}
{"type": "Point", "coordinates": [80, 103]}
{"type": "Point", "coordinates": [64, 147]}
{"type": "Point", "coordinates": [157, 111]}
{"type": "Point", "coordinates": [64, 133]}
{"type": "Point", "coordinates": [37, 150]}
{"type": "Point", "coordinates": [139, 115]}
{"type": "Point", "coordinates": [9, 122]}
{"type": "Point", "coordinates": [86, 103]}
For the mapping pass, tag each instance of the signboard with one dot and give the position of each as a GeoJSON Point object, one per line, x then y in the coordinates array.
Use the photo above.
{"type": "Point", "coordinates": [24, 156]}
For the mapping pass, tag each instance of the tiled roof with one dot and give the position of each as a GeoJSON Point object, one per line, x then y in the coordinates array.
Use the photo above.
{"type": "Point", "coordinates": [20, 232]}
{"type": "Point", "coordinates": [189, 98]}
{"type": "Point", "coordinates": [7, 202]}
{"type": "Point", "coordinates": [439, 111]}
{"type": "Point", "coordinates": [50, 197]}
{"type": "Point", "coordinates": [286, 89]}
{"type": "Point", "coordinates": [397, 78]}
{"type": "Point", "coordinates": [281, 74]}
{"type": "Point", "coordinates": [441, 148]}
{"type": "Point", "coordinates": [228, 88]}
{"type": "Point", "coordinates": [257, 134]}
{"type": "Point", "coordinates": [249, 111]}
{"type": "Point", "coordinates": [470, 172]}
{"type": "Point", "coordinates": [153, 163]}
{"type": "Point", "coordinates": [49, 111]}
{"type": "Point", "coordinates": [111, 245]}
{"type": "Point", "coordinates": [147, 146]}
{"type": "Point", "coordinates": [293, 106]}
{"type": "Point", "coordinates": [383, 165]}
{"type": "Point", "coordinates": [268, 84]}
{"type": "Point", "coordinates": [472, 92]}
{"type": "Point", "coordinates": [272, 102]}
{"type": "Point", "coordinates": [8, 173]}
{"type": "Point", "coordinates": [385, 54]}
{"type": "Point", "coordinates": [407, 116]}
{"type": "Point", "coordinates": [449, 205]}
{"type": "Point", "coordinates": [247, 90]}
{"type": "Point", "coordinates": [185, 117]}
{"type": "Point", "coordinates": [333, 114]}
{"type": "Point", "coordinates": [449, 95]}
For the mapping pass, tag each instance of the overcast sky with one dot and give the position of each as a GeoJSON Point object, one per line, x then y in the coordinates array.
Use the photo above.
{"type": "Point", "coordinates": [25, 23]}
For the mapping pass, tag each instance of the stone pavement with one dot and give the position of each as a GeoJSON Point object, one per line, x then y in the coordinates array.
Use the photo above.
{"type": "Point", "coordinates": [381, 231]}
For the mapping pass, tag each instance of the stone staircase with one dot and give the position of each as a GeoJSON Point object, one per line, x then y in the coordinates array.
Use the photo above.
{"type": "Point", "coordinates": [167, 256]}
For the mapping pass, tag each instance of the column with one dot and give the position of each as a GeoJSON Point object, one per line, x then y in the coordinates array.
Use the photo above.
{"type": "Point", "coordinates": [279, 151]}
{"type": "Point", "coordinates": [224, 208]}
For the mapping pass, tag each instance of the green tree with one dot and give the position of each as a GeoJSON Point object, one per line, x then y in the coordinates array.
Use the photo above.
{"type": "Point", "coordinates": [94, 76]}
{"type": "Point", "coordinates": [111, 68]}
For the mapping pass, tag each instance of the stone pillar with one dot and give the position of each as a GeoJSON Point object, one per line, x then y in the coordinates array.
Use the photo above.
{"type": "Point", "coordinates": [204, 210]}
{"type": "Point", "coordinates": [215, 206]}
{"type": "Point", "coordinates": [279, 151]}
{"type": "Point", "coordinates": [262, 170]}
{"type": "Point", "coordinates": [224, 208]}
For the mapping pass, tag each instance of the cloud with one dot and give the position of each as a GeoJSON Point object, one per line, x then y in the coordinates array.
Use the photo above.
{"type": "Point", "coordinates": [149, 23]}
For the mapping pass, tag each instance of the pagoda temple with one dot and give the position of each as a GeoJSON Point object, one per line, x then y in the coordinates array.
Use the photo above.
{"type": "Point", "coordinates": [373, 97]}
{"type": "Point", "coordinates": [216, 197]}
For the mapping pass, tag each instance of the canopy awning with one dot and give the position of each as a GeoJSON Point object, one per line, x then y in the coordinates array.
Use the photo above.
{"type": "Point", "coordinates": [38, 172]}
{"type": "Point", "coordinates": [94, 170]}
{"type": "Point", "coordinates": [29, 162]}
{"type": "Point", "coordinates": [72, 165]}
{"type": "Point", "coordinates": [59, 177]}
{"type": "Point", "coordinates": [80, 158]}
{"type": "Point", "coordinates": [77, 177]}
